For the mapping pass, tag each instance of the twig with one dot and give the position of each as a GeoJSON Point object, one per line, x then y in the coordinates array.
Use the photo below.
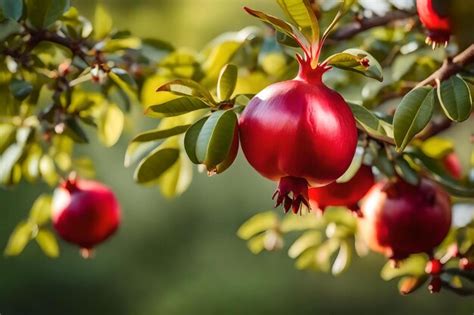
{"type": "Point", "coordinates": [356, 27]}
{"type": "Point", "coordinates": [450, 67]}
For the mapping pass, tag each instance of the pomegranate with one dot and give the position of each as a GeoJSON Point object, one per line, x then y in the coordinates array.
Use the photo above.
{"type": "Point", "coordinates": [345, 194]}
{"type": "Point", "coordinates": [299, 132]}
{"type": "Point", "coordinates": [452, 164]}
{"type": "Point", "coordinates": [400, 219]}
{"type": "Point", "coordinates": [433, 16]}
{"type": "Point", "coordinates": [85, 212]}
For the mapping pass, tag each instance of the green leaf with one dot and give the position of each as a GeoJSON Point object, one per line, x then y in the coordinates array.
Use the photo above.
{"type": "Point", "coordinates": [102, 22]}
{"type": "Point", "coordinates": [110, 125]}
{"type": "Point", "coordinates": [158, 134]}
{"type": "Point", "coordinates": [8, 160]}
{"type": "Point", "coordinates": [357, 60]}
{"type": "Point", "coordinates": [306, 241]}
{"type": "Point", "coordinates": [20, 88]}
{"type": "Point", "coordinates": [191, 137]}
{"type": "Point", "coordinates": [11, 9]}
{"type": "Point", "coordinates": [7, 28]}
{"type": "Point", "coordinates": [412, 115]}
{"type": "Point", "coordinates": [175, 107]}
{"type": "Point", "coordinates": [412, 266]}
{"type": "Point", "coordinates": [155, 164]}
{"type": "Point", "coordinates": [405, 171]}
{"type": "Point", "coordinates": [48, 170]}
{"type": "Point", "coordinates": [187, 87]}
{"type": "Point", "coordinates": [292, 223]}
{"type": "Point", "coordinates": [43, 13]}
{"type": "Point", "coordinates": [40, 212]}
{"type": "Point", "coordinates": [226, 82]}
{"type": "Point", "coordinates": [302, 14]}
{"type": "Point", "coordinates": [19, 238]}
{"type": "Point", "coordinates": [455, 98]}
{"type": "Point", "coordinates": [258, 223]}
{"type": "Point", "coordinates": [114, 45]}
{"type": "Point", "coordinates": [215, 138]}
{"type": "Point", "coordinates": [120, 76]}
{"type": "Point", "coordinates": [74, 131]}
{"type": "Point", "coordinates": [47, 242]}
{"type": "Point", "coordinates": [177, 178]}
{"type": "Point", "coordinates": [371, 124]}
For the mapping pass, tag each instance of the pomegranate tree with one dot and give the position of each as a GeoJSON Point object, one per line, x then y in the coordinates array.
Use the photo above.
{"type": "Point", "coordinates": [434, 17]}
{"type": "Point", "coordinates": [85, 213]}
{"type": "Point", "coordinates": [346, 194]}
{"type": "Point", "coordinates": [401, 219]}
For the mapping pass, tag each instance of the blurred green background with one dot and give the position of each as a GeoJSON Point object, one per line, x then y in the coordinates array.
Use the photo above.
{"type": "Point", "coordinates": [182, 256]}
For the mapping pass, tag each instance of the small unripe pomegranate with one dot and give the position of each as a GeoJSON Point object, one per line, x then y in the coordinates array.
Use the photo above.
{"type": "Point", "coordinates": [346, 194]}
{"type": "Point", "coordinates": [433, 16]}
{"type": "Point", "coordinates": [85, 212]}
{"type": "Point", "coordinates": [400, 219]}
{"type": "Point", "coordinates": [452, 164]}
{"type": "Point", "coordinates": [300, 133]}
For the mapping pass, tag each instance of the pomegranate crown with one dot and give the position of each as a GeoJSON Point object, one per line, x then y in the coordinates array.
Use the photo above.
{"type": "Point", "coordinates": [303, 32]}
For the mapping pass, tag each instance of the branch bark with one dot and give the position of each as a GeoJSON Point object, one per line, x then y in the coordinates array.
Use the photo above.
{"type": "Point", "coordinates": [450, 67]}
{"type": "Point", "coordinates": [356, 27]}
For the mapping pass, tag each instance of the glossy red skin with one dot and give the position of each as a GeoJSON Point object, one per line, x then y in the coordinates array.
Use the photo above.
{"type": "Point", "coordinates": [346, 194]}
{"type": "Point", "coordinates": [439, 27]}
{"type": "Point", "coordinates": [400, 219]}
{"type": "Point", "coordinates": [453, 165]}
{"type": "Point", "coordinates": [86, 214]}
{"type": "Point", "coordinates": [299, 128]}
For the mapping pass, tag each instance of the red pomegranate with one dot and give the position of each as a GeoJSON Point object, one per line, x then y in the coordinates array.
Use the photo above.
{"type": "Point", "coordinates": [433, 15]}
{"type": "Point", "coordinates": [401, 219]}
{"type": "Point", "coordinates": [85, 212]}
{"type": "Point", "coordinates": [300, 133]}
{"type": "Point", "coordinates": [452, 164]}
{"type": "Point", "coordinates": [346, 194]}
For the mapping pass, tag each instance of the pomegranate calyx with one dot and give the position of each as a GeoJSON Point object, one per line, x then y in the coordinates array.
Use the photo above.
{"type": "Point", "coordinates": [298, 188]}
{"type": "Point", "coordinates": [308, 73]}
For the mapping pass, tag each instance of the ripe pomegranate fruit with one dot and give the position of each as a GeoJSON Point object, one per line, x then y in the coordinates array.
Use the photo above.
{"type": "Point", "coordinates": [400, 219]}
{"type": "Point", "coordinates": [85, 212]}
{"type": "Point", "coordinates": [300, 133]}
{"type": "Point", "coordinates": [452, 164]}
{"type": "Point", "coordinates": [433, 16]}
{"type": "Point", "coordinates": [346, 194]}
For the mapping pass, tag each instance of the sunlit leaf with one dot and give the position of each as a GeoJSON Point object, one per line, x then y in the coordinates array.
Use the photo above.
{"type": "Point", "coordinates": [410, 284]}
{"type": "Point", "coordinates": [176, 107]}
{"type": "Point", "coordinates": [155, 164]}
{"type": "Point", "coordinates": [257, 224]}
{"type": "Point", "coordinates": [343, 259]}
{"type": "Point", "coordinates": [41, 210]}
{"type": "Point", "coordinates": [102, 22]}
{"type": "Point", "coordinates": [357, 60]}
{"type": "Point", "coordinates": [110, 125]}
{"type": "Point", "coordinates": [48, 243]}
{"type": "Point", "coordinates": [412, 266]}
{"type": "Point", "coordinates": [226, 82]}
{"type": "Point", "coordinates": [19, 238]}
{"type": "Point", "coordinates": [302, 14]}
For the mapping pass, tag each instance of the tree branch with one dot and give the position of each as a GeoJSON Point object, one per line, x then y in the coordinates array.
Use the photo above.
{"type": "Point", "coordinates": [450, 67]}
{"type": "Point", "coordinates": [356, 27]}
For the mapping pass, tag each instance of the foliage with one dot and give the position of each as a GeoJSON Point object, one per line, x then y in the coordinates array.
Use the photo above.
{"type": "Point", "coordinates": [65, 80]}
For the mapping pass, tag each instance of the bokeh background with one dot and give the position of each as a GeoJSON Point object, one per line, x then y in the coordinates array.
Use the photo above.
{"type": "Point", "coordinates": [182, 256]}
